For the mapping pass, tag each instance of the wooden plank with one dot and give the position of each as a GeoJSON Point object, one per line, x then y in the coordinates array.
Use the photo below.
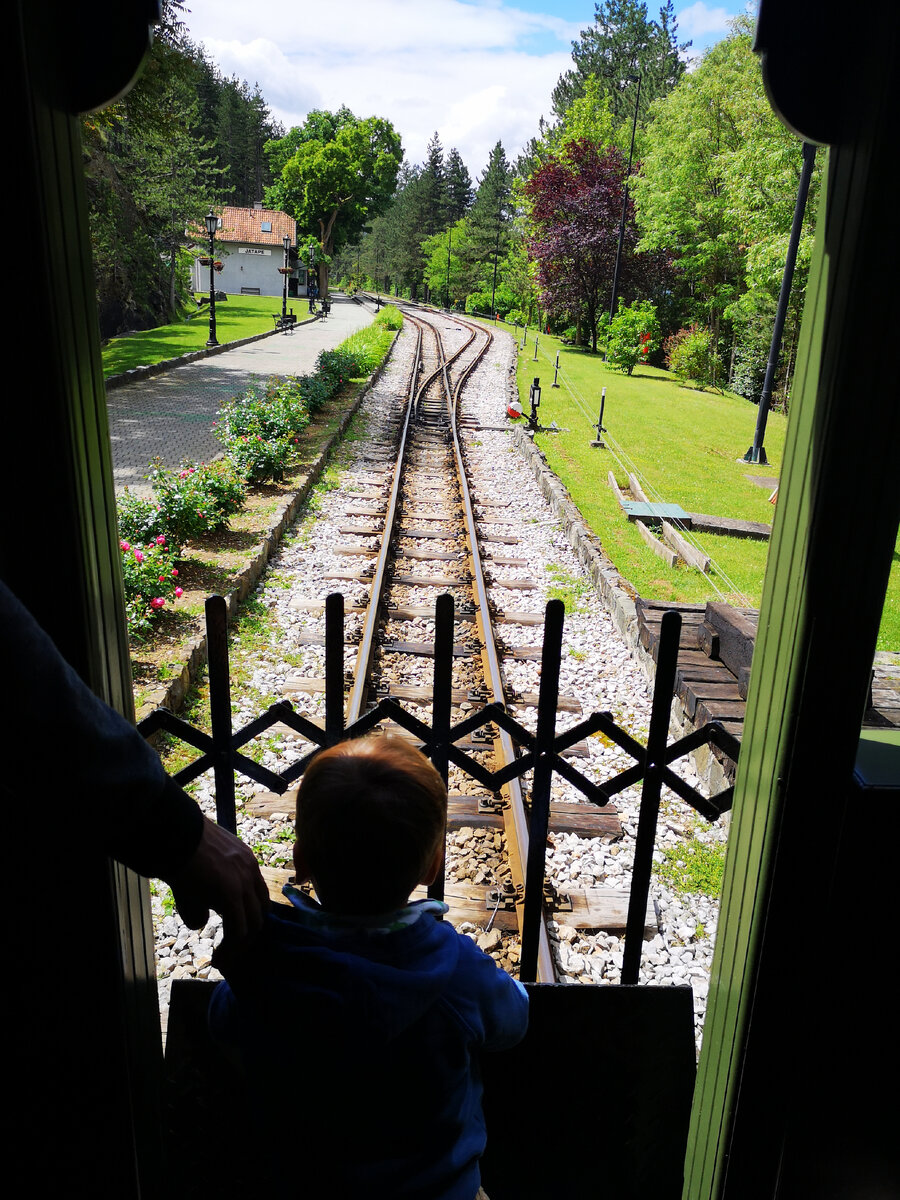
{"type": "Point", "coordinates": [757, 530]}
{"type": "Point", "coordinates": [428, 580]}
{"type": "Point", "coordinates": [690, 554]}
{"type": "Point", "coordinates": [438, 534]}
{"type": "Point", "coordinates": [424, 649]}
{"type": "Point", "coordinates": [430, 555]}
{"type": "Point", "coordinates": [637, 491]}
{"type": "Point", "coordinates": [736, 634]}
{"type": "Point", "coordinates": [616, 490]}
{"type": "Point", "coordinates": [719, 710]}
{"type": "Point", "coordinates": [526, 585]}
{"type": "Point", "coordinates": [314, 687]}
{"type": "Point", "coordinates": [696, 692]}
{"type": "Point", "coordinates": [668, 556]}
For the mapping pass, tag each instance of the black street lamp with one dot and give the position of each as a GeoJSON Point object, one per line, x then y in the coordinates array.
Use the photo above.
{"type": "Point", "coordinates": [615, 287]}
{"type": "Point", "coordinates": [449, 245]}
{"type": "Point", "coordinates": [212, 224]}
{"type": "Point", "coordinates": [286, 241]}
{"type": "Point", "coordinates": [757, 452]}
{"type": "Point", "coordinates": [496, 256]}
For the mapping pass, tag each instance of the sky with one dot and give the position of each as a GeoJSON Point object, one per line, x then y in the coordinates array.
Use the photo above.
{"type": "Point", "coordinates": [474, 71]}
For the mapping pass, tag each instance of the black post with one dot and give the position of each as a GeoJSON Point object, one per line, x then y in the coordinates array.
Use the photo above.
{"type": "Point", "coordinates": [220, 710]}
{"type": "Point", "coordinates": [654, 763]}
{"type": "Point", "coordinates": [540, 789]}
{"type": "Point", "coordinates": [211, 230]}
{"type": "Point", "coordinates": [287, 242]}
{"type": "Point", "coordinates": [615, 286]}
{"type": "Point", "coordinates": [496, 256]}
{"type": "Point", "coordinates": [757, 453]}
{"type": "Point", "coordinates": [449, 245]}
{"type": "Point", "coordinates": [334, 668]}
{"type": "Point", "coordinates": [440, 706]}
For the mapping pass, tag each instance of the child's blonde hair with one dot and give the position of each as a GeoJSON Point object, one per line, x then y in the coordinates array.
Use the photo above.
{"type": "Point", "coordinates": [371, 815]}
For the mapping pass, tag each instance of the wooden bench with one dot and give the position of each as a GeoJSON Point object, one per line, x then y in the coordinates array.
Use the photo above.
{"type": "Point", "coordinates": [285, 323]}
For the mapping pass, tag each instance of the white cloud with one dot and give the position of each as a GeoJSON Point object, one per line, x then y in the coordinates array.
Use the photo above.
{"type": "Point", "coordinates": [475, 72]}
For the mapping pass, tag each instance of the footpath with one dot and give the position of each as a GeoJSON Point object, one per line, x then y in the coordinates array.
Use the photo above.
{"type": "Point", "coordinates": [170, 414]}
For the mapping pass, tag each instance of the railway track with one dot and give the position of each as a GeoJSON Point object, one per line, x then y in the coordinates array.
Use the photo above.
{"type": "Point", "coordinates": [455, 514]}
{"type": "Point", "coordinates": [410, 533]}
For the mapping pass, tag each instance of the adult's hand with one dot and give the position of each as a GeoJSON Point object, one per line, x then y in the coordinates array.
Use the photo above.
{"type": "Point", "coordinates": [221, 874]}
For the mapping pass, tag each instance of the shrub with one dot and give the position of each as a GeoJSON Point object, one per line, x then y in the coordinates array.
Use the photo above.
{"type": "Point", "coordinates": [390, 317]}
{"type": "Point", "coordinates": [151, 581]}
{"type": "Point", "coordinates": [260, 430]}
{"type": "Point", "coordinates": [140, 520]}
{"type": "Point", "coordinates": [690, 354]}
{"type": "Point", "coordinates": [198, 498]}
{"type": "Point", "coordinates": [633, 335]}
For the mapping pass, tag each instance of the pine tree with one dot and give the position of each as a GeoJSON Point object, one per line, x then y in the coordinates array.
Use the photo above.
{"type": "Point", "coordinates": [433, 189]}
{"type": "Point", "coordinates": [460, 192]}
{"type": "Point", "coordinates": [622, 42]}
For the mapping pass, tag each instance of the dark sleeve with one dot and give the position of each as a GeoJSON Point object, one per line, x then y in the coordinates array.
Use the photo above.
{"type": "Point", "coordinates": [106, 784]}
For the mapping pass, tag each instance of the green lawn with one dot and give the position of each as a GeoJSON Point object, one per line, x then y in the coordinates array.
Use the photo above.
{"type": "Point", "coordinates": [686, 447]}
{"type": "Point", "coordinates": [237, 317]}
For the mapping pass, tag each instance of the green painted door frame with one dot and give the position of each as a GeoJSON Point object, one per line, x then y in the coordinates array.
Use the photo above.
{"type": "Point", "coordinates": [772, 1115]}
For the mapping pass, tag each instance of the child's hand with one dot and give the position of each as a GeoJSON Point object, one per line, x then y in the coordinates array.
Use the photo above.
{"type": "Point", "coordinates": [222, 874]}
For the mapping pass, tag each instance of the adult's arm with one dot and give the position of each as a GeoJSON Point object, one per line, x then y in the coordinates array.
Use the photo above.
{"type": "Point", "coordinates": [109, 786]}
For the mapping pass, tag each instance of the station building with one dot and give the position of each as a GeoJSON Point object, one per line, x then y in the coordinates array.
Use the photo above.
{"type": "Point", "coordinates": [250, 246]}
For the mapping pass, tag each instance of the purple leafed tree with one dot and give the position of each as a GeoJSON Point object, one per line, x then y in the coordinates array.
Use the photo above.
{"type": "Point", "coordinates": [576, 210]}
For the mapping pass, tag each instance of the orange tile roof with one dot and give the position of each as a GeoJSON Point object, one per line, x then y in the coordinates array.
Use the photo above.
{"type": "Point", "coordinates": [245, 225]}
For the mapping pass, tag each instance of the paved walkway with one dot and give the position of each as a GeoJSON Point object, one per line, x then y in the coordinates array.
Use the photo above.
{"type": "Point", "coordinates": [171, 415]}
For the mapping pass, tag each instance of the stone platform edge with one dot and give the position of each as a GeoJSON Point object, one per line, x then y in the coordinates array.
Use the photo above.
{"type": "Point", "coordinates": [170, 364]}
{"type": "Point", "coordinates": [615, 592]}
{"type": "Point", "coordinates": [172, 695]}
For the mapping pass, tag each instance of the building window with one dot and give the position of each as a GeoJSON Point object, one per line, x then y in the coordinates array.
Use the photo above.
{"type": "Point", "coordinates": [267, 226]}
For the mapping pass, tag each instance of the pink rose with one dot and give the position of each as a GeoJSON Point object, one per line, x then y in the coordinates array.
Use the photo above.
{"type": "Point", "coordinates": [139, 556]}
{"type": "Point", "coordinates": [174, 572]}
{"type": "Point", "coordinates": [124, 546]}
{"type": "Point", "coordinates": [179, 592]}
{"type": "Point", "coordinates": [157, 602]}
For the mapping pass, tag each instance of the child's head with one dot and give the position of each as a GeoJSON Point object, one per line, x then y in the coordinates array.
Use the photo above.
{"type": "Point", "coordinates": [371, 815]}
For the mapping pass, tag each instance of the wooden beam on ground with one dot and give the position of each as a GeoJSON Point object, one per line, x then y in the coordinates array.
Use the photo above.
{"type": "Point", "coordinates": [668, 556]}
{"type": "Point", "coordinates": [691, 555]}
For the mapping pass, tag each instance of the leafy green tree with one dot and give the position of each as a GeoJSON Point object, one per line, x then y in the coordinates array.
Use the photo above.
{"type": "Point", "coordinates": [717, 188]}
{"type": "Point", "coordinates": [624, 41]}
{"type": "Point", "coordinates": [433, 189]}
{"type": "Point", "coordinates": [338, 179]}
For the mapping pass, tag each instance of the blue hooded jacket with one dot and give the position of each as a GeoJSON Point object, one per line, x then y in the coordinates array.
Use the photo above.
{"type": "Point", "coordinates": [375, 1022]}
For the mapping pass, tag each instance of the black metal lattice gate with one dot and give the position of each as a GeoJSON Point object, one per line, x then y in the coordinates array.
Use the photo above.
{"type": "Point", "coordinates": [540, 752]}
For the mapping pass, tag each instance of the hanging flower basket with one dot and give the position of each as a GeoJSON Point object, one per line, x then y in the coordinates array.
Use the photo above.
{"type": "Point", "coordinates": [218, 265]}
{"type": "Point", "coordinates": [203, 260]}
{"type": "Point", "coordinates": [285, 270]}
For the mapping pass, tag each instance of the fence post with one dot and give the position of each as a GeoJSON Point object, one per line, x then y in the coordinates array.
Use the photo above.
{"type": "Point", "coordinates": [556, 372]}
{"type": "Point", "coordinates": [540, 788]}
{"type": "Point", "coordinates": [334, 668]}
{"type": "Point", "coordinates": [535, 348]}
{"type": "Point", "coordinates": [657, 740]}
{"type": "Point", "coordinates": [440, 704]}
{"type": "Point", "coordinates": [220, 710]}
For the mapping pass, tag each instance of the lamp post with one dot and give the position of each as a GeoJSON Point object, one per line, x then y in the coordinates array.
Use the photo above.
{"type": "Point", "coordinates": [212, 224]}
{"type": "Point", "coordinates": [287, 245]}
{"type": "Point", "coordinates": [496, 256]}
{"type": "Point", "coordinates": [534, 396]}
{"type": "Point", "coordinates": [757, 452]}
{"type": "Point", "coordinates": [449, 245]}
{"type": "Point", "coordinates": [615, 287]}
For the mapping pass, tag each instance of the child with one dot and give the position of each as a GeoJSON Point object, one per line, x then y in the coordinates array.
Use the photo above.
{"type": "Point", "coordinates": [366, 1006]}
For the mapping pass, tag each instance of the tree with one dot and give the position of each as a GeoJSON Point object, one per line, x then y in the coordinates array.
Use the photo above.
{"type": "Point", "coordinates": [574, 209]}
{"type": "Point", "coordinates": [433, 189]}
{"type": "Point", "coordinates": [460, 192]}
{"type": "Point", "coordinates": [338, 179]}
{"type": "Point", "coordinates": [623, 41]}
{"type": "Point", "coordinates": [717, 186]}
